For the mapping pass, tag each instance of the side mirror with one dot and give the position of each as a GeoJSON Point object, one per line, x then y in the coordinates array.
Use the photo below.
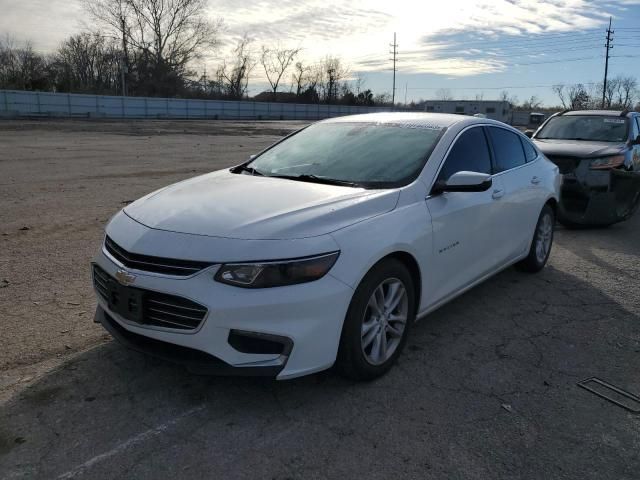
{"type": "Point", "coordinates": [636, 141]}
{"type": "Point", "coordinates": [529, 133]}
{"type": "Point", "coordinates": [464, 182]}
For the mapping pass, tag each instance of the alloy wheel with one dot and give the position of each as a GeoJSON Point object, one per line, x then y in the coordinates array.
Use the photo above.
{"type": "Point", "coordinates": [544, 237]}
{"type": "Point", "coordinates": [384, 321]}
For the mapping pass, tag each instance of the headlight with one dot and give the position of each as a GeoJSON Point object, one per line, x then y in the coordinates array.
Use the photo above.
{"type": "Point", "coordinates": [278, 273]}
{"type": "Point", "coordinates": [605, 163]}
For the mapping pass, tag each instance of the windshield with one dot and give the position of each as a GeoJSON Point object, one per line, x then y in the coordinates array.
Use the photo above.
{"type": "Point", "coordinates": [367, 154]}
{"type": "Point", "coordinates": [585, 127]}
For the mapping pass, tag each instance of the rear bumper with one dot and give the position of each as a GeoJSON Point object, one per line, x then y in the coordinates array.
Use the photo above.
{"type": "Point", "coordinates": [196, 361]}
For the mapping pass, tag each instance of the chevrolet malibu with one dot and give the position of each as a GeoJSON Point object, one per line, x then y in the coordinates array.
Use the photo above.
{"type": "Point", "coordinates": [326, 247]}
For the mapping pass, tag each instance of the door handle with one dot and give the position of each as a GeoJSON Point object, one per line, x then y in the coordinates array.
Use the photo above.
{"type": "Point", "coordinates": [497, 194]}
{"type": "Point", "coordinates": [535, 180]}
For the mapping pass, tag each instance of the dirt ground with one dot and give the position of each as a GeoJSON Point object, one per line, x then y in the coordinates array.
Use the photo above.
{"type": "Point", "coordinates": [485, 389]}
{"type": "Point", "coordinates": [60, 182]}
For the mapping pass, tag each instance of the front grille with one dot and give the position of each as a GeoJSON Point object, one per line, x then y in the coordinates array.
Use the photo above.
{"type": "Point", "coordinates": [565, 164]}
{"type": "Point", "coordinates": [169, 266]}
{"type": "Point", "coordinates": [147, 307]}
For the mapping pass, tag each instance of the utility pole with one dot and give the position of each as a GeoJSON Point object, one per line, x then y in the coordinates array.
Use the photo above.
{"type": "Point", "coordinates": [406, 87]}
{"type": "Point", "coordinates": [124, 67]}
{"type": "Point", "coordinates": [608, 46]}
{"type": "Point", "coordinates": [394, 45]}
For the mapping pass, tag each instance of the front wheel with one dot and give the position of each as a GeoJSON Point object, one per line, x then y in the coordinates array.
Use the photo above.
{"type": "Point", "coordinates": [541, 243]}
{"type": "Point", "coordinates": [378, 320]}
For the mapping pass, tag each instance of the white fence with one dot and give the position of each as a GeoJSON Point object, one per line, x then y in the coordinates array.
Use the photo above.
{"type": "Point", "coordinates": [14, 103]}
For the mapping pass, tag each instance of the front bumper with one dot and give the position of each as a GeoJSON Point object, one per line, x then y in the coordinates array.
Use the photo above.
{"type": "Point", "coordinates": [599, 197]}
{"type": "Point", "coordinates": [309, 315]}
{"type": "Point", "coordinates": [195, 361]}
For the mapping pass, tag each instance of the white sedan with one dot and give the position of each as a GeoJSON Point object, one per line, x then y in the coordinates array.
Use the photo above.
{"type": "Point", "coordinates": [326, 247]}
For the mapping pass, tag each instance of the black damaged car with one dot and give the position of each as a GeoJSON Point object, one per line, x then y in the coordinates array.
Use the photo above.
{"type": "Point", "coordinates": [598, 153]}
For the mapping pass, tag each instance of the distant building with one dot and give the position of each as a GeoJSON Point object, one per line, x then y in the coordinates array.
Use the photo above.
{"type": "Point", "coordinates": [494, 109]}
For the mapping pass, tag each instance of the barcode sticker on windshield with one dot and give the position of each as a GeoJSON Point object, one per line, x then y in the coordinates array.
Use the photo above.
{"type": "Point", "coordinates": [614, 120]}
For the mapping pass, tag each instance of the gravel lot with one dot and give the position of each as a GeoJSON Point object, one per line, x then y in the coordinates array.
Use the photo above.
{"type": "Point", "coordinates": [485, 389]}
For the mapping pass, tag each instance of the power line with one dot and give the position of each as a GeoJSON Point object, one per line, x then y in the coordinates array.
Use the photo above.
{"type": "Point", "coordinates": [508, 46]}
{"type": "Point", "coordinates": [528, 41]}
{"type": "Point", "coordinates": [394, 45]}
{"type": "Point", "coordinates": [536, 63]}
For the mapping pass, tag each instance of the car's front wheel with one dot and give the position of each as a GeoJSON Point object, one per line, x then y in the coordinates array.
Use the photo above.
{"type": "Point", "coordinates": [541, 243]}
{"type": "Point", "coordinates": [378, 320]}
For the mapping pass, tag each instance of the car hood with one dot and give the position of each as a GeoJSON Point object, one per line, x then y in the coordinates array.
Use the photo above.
{"type": "Point", "coordinates": [223, 204]}
{"type": "Point", "coordinates": [579, 148]}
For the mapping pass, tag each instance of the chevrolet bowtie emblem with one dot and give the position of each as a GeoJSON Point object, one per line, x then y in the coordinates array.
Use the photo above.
{"type": "Point", "coordinates": [125, 278]}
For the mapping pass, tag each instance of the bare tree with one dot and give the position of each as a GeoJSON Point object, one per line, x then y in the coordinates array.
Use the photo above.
{"type": "Point", "coordinates": [87, 62]}
{"type": "Point", "coordinates": [234, 76]}
{"type": "Point", "coordinates": [533, 103]}
{"type": "Point", "coordinates": [505, 96]}
{"type": "Point", "coordinates": [299, 76]}
{"type": "Point", "coordinates": [443, 94]}
{"type": "Point", "coordinates": [332, 73]}
{"type": "Point", "coordinates": [21, 67]}
{"type": "Point", "coordinates": [613, 84]}
{"type": "Point", "coordinates": [169, 33]}
{"type": "Point", "coordinates": [358, 83]}
{"type": "Point", "coordinates": [578, 97]}
{"type": "Point", "coordinates": [627, 92]}
{"type": "Point", "coordinates": [559, 90]}
{"type": "Point", "coordinates": [574, 97]}
{"type": "Point", "coordinates": [275, 62]}
{"type": "Point", "coordinates": [382, 99]}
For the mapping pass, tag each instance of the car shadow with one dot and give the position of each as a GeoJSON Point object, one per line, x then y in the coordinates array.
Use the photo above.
{"type": "Point", "coordinates": [615, 249]}
{"type": "Point", "coordinates": [486, 388]}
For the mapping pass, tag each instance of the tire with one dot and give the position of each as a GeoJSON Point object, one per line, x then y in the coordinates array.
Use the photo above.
{"type": "Point", "coordinates": [541, 243]}
{"type": "Point", "coordinates": [372, 315]}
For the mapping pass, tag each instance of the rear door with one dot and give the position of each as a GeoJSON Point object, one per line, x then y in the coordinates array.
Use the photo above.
{"type": "Point", "coordinates": [517, 167]}
{"type": "Point", "coordinates": [465, 224]}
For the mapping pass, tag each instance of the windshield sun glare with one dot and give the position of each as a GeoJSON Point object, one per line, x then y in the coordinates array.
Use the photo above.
{"type": "Point", "coordinates": [366, 154]}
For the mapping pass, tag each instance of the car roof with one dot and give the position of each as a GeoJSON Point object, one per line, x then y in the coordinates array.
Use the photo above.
{"type": "Point", "coordinates": [613, 113]}
{"type": "Point", "coordinates": [413, 119]}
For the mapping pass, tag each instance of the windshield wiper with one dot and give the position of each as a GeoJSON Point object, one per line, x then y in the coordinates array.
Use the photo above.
{"type": "Point", "coordinates": [245, 168]}
{"type": "Point", "coordinates": [316, 179]}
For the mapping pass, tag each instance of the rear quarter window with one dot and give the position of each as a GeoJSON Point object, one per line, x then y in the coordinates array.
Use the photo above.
{"type": "Point", "coordinates": [530, 151]}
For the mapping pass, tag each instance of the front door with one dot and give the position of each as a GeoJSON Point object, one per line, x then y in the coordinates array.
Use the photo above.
{"type": "Point", "coordinates": [466, 242]}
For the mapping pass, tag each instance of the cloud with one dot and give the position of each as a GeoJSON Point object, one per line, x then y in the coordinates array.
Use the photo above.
{"type": "Point", "coordinates": [454, 38]}
{"type": "Point", "coordinates": [428, 32]}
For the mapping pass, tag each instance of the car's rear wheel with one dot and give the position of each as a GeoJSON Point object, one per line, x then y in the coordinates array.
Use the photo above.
{"type": "Point", "coordinates": [541, 243]}
{"type": "Point", "coordinates": [378, 321]}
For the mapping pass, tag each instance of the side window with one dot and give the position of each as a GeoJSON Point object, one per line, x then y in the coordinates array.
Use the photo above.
{"type": "Point", "coordinates": [637, 130]}
{"type": "Point", "coordinates": [469, 153]}
{"type": "Point", "coordinates": [507, 149]}
{"type": "Point", "coordinates": [529, 150]}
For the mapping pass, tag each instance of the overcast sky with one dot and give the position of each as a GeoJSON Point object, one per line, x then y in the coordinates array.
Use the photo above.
{"type": "Point", "coordinates": [468, 46]}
